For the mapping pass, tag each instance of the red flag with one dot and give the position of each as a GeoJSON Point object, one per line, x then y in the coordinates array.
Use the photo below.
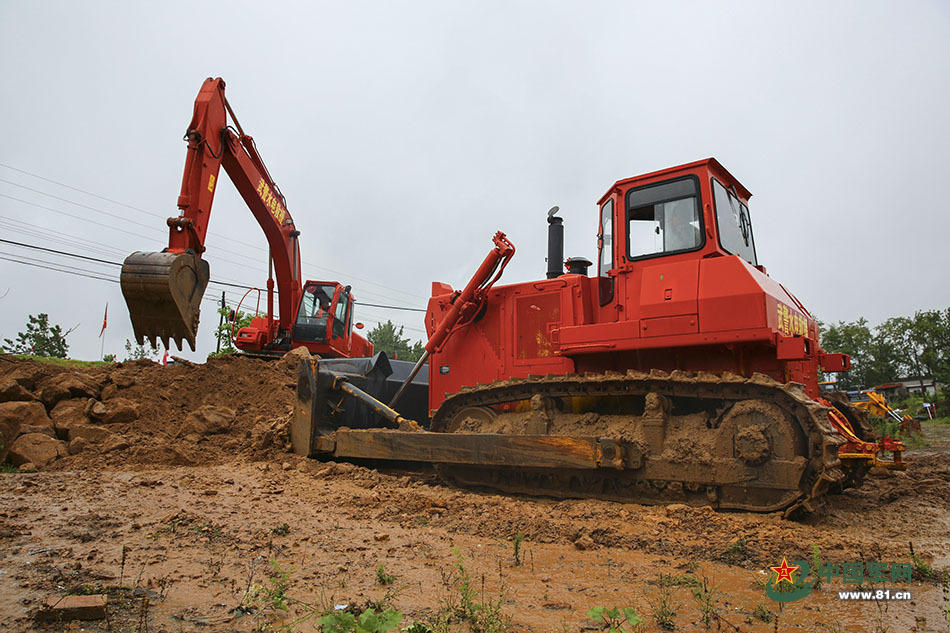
{"type": "Point", "coordinates": [165, 359]}
{"type": "Point", "coordinates": [105, 317]}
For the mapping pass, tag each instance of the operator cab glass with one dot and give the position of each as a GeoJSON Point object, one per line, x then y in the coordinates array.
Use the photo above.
{"type": "Point", "coordinates": [342, 314]}
{"type": "Point", "coordinates": [314, 311]}
{"type": "Point", "coordinates": [664, 218]}
{"type": "Point", "coordinates": [605, 243]}
{"type": "Point", "coordinates": [735, 227]}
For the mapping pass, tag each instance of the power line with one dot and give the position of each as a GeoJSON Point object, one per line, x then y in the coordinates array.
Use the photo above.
{"type": "Point", "coordinates": [151, 213]}
{"type": "Point", "coordinates": [376, 305]}
{"type": "Point", "coordinates": [55, 252]}
{"type": "Point", "coordinates": [78, 204]}
{"type": "Point", "coordinates": [79, 272]}
{"type": "Point", "coordinates": [213, 281]}
{"type": "Point", "coordinates": [88, 193]}
{"type": "Point", "coordinates": [60, 270]}
{"type": "Point", "coordinates": [216, 256]}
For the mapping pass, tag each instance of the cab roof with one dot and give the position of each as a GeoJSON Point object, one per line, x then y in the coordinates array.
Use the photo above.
{"type": "Point", "coordinates": [711, 164]}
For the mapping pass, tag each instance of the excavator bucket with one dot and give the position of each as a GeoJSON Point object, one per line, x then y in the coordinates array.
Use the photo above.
{"type": "Point", "coordinates": [163, 292]}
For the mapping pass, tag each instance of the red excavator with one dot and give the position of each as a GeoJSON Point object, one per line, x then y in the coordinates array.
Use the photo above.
{"type": "Point", "coordinates": [679, 372]}
{"type": "Point", "coordinates": [163, 290]}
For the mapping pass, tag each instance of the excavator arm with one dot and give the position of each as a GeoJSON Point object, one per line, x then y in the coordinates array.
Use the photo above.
{"type": "Point", "coordinates": [164, 290]}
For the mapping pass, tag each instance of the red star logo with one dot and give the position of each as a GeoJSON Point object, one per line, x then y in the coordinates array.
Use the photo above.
{"type": "Point", "coordinates": [784, 571]}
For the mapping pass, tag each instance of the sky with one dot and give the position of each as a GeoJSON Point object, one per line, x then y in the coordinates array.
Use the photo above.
{"type": "Point", "coordinates": [404, 134]}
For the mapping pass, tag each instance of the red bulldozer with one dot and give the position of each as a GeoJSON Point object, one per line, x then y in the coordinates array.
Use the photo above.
{"type": "Point", "coordinates": [676, 371]}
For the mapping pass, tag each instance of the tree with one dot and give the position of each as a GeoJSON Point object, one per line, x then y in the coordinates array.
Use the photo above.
{"type": "Point", "coordinates": [39, 339]}
{"type": "Point", "coordinates": [853, 339]}
{"type": "Point", "coordinates": [386, 337]}
{"type": "Point", "coordinates": [232, 322]}
{"type": "Point", "coordinates": [139, 352]}
{"type": "Point", "coordinates": [899, 347]}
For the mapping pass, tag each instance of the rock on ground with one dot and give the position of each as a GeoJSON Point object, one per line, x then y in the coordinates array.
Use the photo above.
{"type": "Point", "coordinates": [16, 417]}
{"type": "Point", "coordinates": [292, 358]}
{"type": "Point", "coordinates": [67, 385]}
{"type": "Point", "coordinates": [114, 411]}
{"type": "Point", "coordinates": [208, 420]}
{"type": "Point", "coordinates": [11, 390]}
{"type": "Point", "coordinates": [69, 413]}
{"type": "Point", "coordinates": [36, 448]}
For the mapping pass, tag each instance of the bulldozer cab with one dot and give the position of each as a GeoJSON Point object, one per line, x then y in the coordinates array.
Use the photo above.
{"type": "Point", "coordinates": [687, 212]}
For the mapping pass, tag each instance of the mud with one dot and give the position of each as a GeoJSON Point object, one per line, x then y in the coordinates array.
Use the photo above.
{"type": "Point", "coordinates": [192, 520]}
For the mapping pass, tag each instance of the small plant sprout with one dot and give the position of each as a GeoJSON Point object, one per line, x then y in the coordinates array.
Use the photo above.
{"type": "Point", "coordinates": [382, 577]}
{"type": "Point", "coordinates": [617, 619]}
{"type": "Point", "coordinates": [664, 610]}
{"type": "Point", "coordinates": [519, 537]}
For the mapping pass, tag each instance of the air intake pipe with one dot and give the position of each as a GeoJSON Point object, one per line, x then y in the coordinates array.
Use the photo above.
{"type": "Point", "coordinates": [555, 244]}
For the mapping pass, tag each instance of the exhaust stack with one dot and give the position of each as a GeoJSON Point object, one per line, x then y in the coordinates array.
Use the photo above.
{"type": "Point", "coordinates": [555, 244]}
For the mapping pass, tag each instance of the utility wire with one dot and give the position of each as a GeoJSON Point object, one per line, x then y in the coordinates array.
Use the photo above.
{"type": "Point", "coordinates": [78, 272]}
{"type": "Point", "coordinates": [376, 305]}
{"type": "Point", "coordinates": [220, 283]}
{"type": "Point", "coordinates": [154, 214]}
{"type": "Point", "coordinates": [88, 193]}
{"type": "Point", "coordinates": [216, 256]}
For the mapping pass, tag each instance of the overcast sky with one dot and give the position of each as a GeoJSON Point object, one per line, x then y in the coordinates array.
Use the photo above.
{"type": "Point", "coordinates": [404, 134]}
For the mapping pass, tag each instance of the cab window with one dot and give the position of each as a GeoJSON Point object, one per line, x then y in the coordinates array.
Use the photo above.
{"type": "Point", "coordinates": [605, 262]}
{"type": "Point", "coordinates": [313, 313]}
{"type": "Point", "coordinates": [664, 218]}
{"type": "Point", "coordinates": [735, 227]}
{"type": "Point", "coordinates": [341, 314]}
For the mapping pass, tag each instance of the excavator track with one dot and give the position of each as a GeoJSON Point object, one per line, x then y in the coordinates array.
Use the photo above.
{"type": "Point", "coordinates": [699, 438]}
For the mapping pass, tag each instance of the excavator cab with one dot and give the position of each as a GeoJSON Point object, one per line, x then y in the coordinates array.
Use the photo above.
{"type": "Point", "coordinates": [313, 316]}
{"type": "Point", "coordinates": [324, 322]}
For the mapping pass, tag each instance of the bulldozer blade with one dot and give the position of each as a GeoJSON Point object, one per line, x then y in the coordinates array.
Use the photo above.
{"type": "Point", "coordinates": [163, 292]}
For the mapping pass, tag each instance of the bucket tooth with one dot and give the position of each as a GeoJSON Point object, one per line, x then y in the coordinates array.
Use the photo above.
{"type": "Point", "coordinates": [163, 292]}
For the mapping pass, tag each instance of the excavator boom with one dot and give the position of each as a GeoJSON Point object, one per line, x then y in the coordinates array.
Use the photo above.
{"type": "Point", "coordinates": [164, 290]}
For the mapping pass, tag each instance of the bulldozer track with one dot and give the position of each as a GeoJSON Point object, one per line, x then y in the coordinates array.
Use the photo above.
{"type": "Point", "coordinates": [687, 478]}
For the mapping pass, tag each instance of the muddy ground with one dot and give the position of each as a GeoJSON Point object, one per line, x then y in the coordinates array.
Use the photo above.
{"type": "Point", "coordinates": [182, 526]}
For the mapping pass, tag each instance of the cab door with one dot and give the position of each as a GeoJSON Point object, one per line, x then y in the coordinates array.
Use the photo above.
{"type": "Point", "coordinates": [342, 322]}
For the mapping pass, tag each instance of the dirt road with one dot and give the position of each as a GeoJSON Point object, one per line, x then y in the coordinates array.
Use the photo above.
{"type": "Point", "coordinates": [197, 523]}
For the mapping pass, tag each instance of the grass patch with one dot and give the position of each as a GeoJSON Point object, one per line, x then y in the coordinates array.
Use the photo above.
{"type": "Point", "coordinates": [8, 468]}
{"type": "Point", "coordinates": [736, 552]}
{"type": "Point", "coordinates": [60, 362]}
{"type": "Point", "coordinates": [467, 605]}
{"type": "Point", "coordinates": [664, 609]}
{"type": "Point", "coordinates": [763, 614]}
{"type": "Point", "coordinates": [382, 577]}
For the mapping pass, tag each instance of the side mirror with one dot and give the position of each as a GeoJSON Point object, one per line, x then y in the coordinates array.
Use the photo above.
{"type": "Point", "coordinates": [359, 326]}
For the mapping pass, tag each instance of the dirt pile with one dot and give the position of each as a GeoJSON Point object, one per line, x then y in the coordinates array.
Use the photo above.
{"type": "Point", "coordinates": [141, 412]}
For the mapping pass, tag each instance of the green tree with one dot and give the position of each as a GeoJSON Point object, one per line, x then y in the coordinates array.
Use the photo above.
{"type": "Point", "coordinates": [853, 339]}
{"type": "Point", "coordinates": [899, 347]}
{"type": "Point", "coordinates": [386, 337]}
{"type": "Point", "coordinates": [139, 352]}
{"type": "Point", "coordinates": [921, 343]}
{"type": "Point", "coordinates": [39, 339]}
{"type": "Point", "coordinates": [233, 322]}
